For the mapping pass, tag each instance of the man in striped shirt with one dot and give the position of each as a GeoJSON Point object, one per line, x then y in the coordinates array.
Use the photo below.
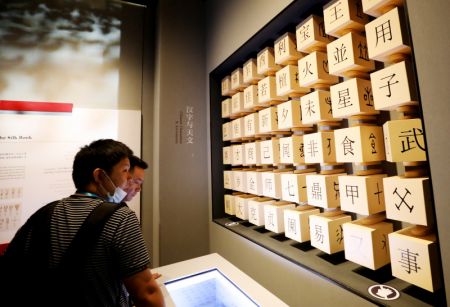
{"type": "Point", "coordinates": [119, 262]}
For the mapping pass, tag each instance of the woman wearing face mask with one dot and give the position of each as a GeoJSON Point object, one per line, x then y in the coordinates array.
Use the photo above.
{"type": "Point", "coordinates": [118, 262]}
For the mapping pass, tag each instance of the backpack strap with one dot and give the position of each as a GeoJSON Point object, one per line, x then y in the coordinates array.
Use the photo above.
{"type": "Point", "coordinates": [88, 234]}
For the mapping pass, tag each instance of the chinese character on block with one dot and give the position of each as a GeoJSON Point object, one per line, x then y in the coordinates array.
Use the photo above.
{"type": "Point", "coordinates": [226, 108]}
{"type": "Point", "coordinates": [251, 98]}
{"type": "Point", "coordinates": [362, 194]}
{"type": "Point", "coordinates": [285, 50]}
{"type": "Point", "coordinates": [293, 187]}
{"type": "Point", "coordinates": [415, 258]}
{"type": "Point", "coordinates": [323, 190]}
{"type": "Point", "coordinates": [267, 94]}
{"type": "Point", "coordinates": [256, 210]}
{"type": "Point", "coordinates": [292, 150]}
{"type": "Point", "coordinates": [317, 107]}
{"type": "Point", "coordinates": [404, 140]}
{"type": "Point", "coordinates": [408, 200]}
{"type": "Point", "coordinates": [274, 216]}
{"type": "Point", "coordinates": [271, 184]}
{"type": "Point", "coordinates": [343, 16]}
{"type": "Point", "coordinates": [296, 222]}
{"type": "Point", "coordinates": [288, 82]}
{"type": "Point", "coordinates": [313, 71]}
{"type": "Point", "coordinates": [386, 38]}
{"type": "Point", "coordinates": [250, 73]}
{"type": "Point", "coordinates": [367, 245]}
{"type": "Point", "coordinates": [311, 36]}
{"type": "Point", "coordinates": [237, 80]}
{"type": "Point", "coordinates": [265, 62]}
{"type": "Point", "coordinates": [352, 97]}
{"type": "Point", "coordinates": [326, 232]}
{"type": "Point", "coordinates": [359, 144]}
{"type": "Point", "coordinates": [393, 87]}
{"type": "Point", "coordinates": [319, 147]}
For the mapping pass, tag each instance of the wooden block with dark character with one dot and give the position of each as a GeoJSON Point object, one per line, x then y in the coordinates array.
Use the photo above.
{"type": "Point", "coordinates": [296, 222]}
{"type": "Point", "coordinates": [326, 231]}
{"type": "Point", "coordinates": [344, 16]}
{"type": "Point", "coordinates": [310, 35]}
{"type": "Point", "coordinates": [274, 215]}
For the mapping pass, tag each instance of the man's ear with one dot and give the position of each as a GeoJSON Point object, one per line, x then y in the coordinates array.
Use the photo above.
{"type": "Point", "coordinates": [97, 174]}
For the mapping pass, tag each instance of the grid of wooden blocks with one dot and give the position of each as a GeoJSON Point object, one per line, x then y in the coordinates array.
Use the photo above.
{"type": "Point", "coordinates": [304, 145]}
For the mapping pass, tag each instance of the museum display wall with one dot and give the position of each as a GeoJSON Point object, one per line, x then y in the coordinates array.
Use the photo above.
{"type": "Point", "coordinates": [318, 147]}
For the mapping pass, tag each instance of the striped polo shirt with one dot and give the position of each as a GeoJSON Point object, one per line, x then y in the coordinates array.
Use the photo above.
{"type": "Point", "coordinates": [120, 251]}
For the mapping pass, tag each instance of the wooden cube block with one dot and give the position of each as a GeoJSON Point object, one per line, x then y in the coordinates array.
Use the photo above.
{"type": "Point", "coordinates": [367, 245]}
{"type": "Point", "coordinates": [319, 147]}
{"type": "Point", "coordinates": [267, 119]}
{"type": "Point", "coordinates": [254, 183]}
{"type": "Point", "coordinates": [226, 108]}
{"type": "Point", "coordinates": [237, 80]}
{"type": "Point", "coordinates": [352, 97]}
{"type": "Point", "coordinates": [310, 35]}
{"type": "Point", "coordinates": [227, 155]}
{"type": "Point", "coordinates": [326, 232]}
{"type": "Point", "coordinates": [323, 190]}
{"type": "Point", "coordinates": [415, 259]}
{"type": "Point", "coordinates": [349, 54]}
{"type": "Point", "coordinates": [377, 8]}
{"type": "Point", "coordinates": [408, 200]}
{"type": "Point", "coordinates": [313, 71]}
{"type": "Point", "coordinates": [228, 179]}
{"type": "Point", "coordinates": [274, 215]}
{"type": "Point", "coordinates": [256, 210]}
{"type": "Point", "coordinates": [290, 115]}
{"type": "Point", "coordinates": [237, 154]}
{"type": "Point", "coordinates": [270, 152]}
{"type": "Point", "coordinates": [251, 98]}
{"type": "Point", "coordinates": [387, 36]}
{"type": "Point", "coordinates": [271, 184]}
{"type": "Point", "coordinates": [252, 153]}
{"type": "Point", "coordinates": [404, 140]}
{"type": "Point", "coordinates": [237, 103]}
{"type": "Point", "coordinates": [226, 131]}
{"type": "Point", "coordinates": [251, 125]}
{"type": "Point", "coordinates": [229, 204]}
{"type": "Point", "coordinates": [292, 150]}
{"type": "Point", "coordinates": [285, 49]}
{"type": "Point", "coordinates": [240, 181]}
{"type": "Point", "coordinates": [296, 222]}
{"type": "Point", "coordinates": [393, 87]}
{"type": "Point", "coordinates": [293, 187]}
{"type": "Point", "coordinates": [226, 87]}
{"type": "Point", "coordinates": [359, 144]}
{"type": "Point", "coordinates": [362, 194]}
{"type": "Point", "coordinates": [265, 62]}
{"type": "Point", "coordinates": [267, 92]}
{"type": "Point", "coordinates": [237, 126]}
{"type": "Point", "coordinates": [316, 107]}
{"type": "Point", "coordinates": [241, 205]}
{"type": "Point", "coordinates": [343, 16]}
{"type": "Point", "coordinates": [250, 72]}
{"type": "Point", "coordinates": [287, 82]}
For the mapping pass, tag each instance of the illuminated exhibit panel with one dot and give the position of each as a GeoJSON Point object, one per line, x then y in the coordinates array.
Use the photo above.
{"type": "Point", "coordinates": [211, 281]}
{"type": "Point", "coordinates": [210, 288]}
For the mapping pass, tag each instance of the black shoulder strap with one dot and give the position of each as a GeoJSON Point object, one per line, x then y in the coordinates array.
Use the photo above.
{"type": "Point", "coordinates": [88, 234]}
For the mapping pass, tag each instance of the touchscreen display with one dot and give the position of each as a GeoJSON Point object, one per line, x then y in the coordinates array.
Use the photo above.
{"type": "Point", "coordinates": [209, 288]}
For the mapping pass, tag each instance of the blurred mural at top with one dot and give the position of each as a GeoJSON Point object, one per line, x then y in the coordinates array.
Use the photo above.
{"type": "Point", "coordinates": [60, 51]}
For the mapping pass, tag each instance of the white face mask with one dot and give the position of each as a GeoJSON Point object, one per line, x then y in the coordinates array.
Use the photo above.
{"type": "Point", "coordinates": [119, 193]}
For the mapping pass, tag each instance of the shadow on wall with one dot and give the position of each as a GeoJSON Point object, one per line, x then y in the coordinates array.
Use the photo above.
{"type": "Point", "coordinates": [60, 50]}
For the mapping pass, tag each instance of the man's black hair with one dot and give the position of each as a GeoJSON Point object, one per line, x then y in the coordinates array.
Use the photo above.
{"type": "Point", "coordinates": [103, 153]}
{"type": "Point", "coordinates": [136, 161]}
